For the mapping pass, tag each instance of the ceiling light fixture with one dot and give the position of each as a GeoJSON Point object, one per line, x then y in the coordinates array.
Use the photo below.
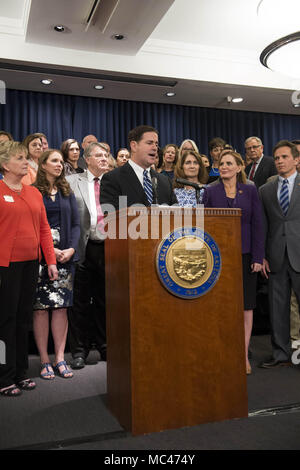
{"type": "Point", "coordinates": [282, 18]}
{"type": "Point", "coordinates": [283, 55]}
{"type": "Point", "coordinates": [118, 37]}
{"type": "Point", "coordinates": [170, 93]}
{"type": "Point", "coordinates": [46, 81]}
{"type": "Point", "coordinates": [59, 28]}
{"type": "Point", "coordinates": [98, 87]}
{"type": "Point", "coordinates": [237, 100]}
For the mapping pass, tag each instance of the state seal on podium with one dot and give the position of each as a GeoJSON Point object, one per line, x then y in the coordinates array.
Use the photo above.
{"type": "Point", "coordinates": [188, 262]}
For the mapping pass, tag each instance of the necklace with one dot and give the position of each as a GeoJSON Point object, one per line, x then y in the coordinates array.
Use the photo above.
{"type": "Point", "coordinates": [17, 190]}
{"type": "Point", "coordinates": [53, 191]}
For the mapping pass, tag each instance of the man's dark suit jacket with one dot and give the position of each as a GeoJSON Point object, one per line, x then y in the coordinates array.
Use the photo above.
{"type": "Point", "coordinates": [265, 169]}
{"type": "Point", "coordinates": [123, 181]}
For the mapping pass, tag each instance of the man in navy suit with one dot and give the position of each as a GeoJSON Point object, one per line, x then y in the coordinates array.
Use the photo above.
{"type": "Point", "coordinates": [128, 180]}
{"type": "Point", "coordinates": [281, 203]}
{"type": "Point", "coordinates": [261, 167]}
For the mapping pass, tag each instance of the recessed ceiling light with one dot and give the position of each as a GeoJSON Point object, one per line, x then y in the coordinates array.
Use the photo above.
{"type": "Point", "coordinates": [47, 81]}
{"type": "Point", "coordinates": [237, 100]}
{"type": "Point", "coordinates": [296, 105]}
{"type": "Point", "coordinates": [59, 28]}
{"type": "Point", "coordinates": [118, 37]}
{"type": "Point", "coordinates": [170, 93]}
{"type": "Point", "coordinates": [98, 87]}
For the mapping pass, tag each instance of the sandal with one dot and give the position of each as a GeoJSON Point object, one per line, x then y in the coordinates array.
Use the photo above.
{"type": "Point", "coordinates": [12, 391]}
{"type": "Point", "coordinates": [64, 372]}
{"type": "Point", "coordinates": [26, 384]}
{"type": "Point", "coordinates": [49, 375]}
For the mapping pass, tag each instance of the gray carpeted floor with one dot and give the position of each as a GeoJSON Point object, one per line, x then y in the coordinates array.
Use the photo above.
{"type": "Point", "coordinates": [268, 433]}
{"type": "Point", "coordinates": [72, 414]}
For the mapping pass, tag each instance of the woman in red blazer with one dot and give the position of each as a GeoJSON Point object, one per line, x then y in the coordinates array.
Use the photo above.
{"type": "Point", "coordinates": [24, 231]}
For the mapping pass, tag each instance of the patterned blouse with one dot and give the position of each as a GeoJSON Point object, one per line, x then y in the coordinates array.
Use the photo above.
{"type": "Point", "coordinates": [187, 197]}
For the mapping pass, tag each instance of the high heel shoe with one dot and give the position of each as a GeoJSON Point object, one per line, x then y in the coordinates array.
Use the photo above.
{"type": "Point", "coordinates": [65, 373]}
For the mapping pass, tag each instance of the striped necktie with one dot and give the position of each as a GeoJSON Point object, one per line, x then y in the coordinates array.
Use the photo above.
{"type": "Point", "coordinates": [100, 217]}
{"type": "Point", "coordinates": [148, 187]}
{"type": "Point", "coordinates": [251, 176]}
{"type": "Point", "coordinates": [284, 196]}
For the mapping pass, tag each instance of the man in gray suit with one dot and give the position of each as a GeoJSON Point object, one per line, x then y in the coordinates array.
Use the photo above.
{"type": "Point", "coordinates": [281, 203]}
{"type": "Point", "coordinates": [87, 320]}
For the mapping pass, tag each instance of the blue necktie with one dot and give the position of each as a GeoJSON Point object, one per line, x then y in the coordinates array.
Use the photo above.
{"type": "Point", "coordinates": [284, 197]}
{"type": "Point", "coordinates": [148, 187]}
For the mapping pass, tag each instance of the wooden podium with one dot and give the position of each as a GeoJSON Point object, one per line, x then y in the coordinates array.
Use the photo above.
{"type": "Point", "coordinates": [174, 362]}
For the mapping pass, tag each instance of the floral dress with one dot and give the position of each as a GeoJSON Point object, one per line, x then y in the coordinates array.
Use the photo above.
{"type": "Point", "coordinates": [187, 197]}
{"type": "Point", "coordinates": [59, 293]}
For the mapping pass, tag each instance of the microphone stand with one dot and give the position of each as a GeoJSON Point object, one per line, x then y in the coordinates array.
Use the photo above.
{"type": "Point", "coordinates": [154, 187]}
{"type": "Point", "coordinates": [194, 185]}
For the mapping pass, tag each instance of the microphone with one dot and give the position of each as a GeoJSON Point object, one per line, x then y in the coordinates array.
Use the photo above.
{"type": "Point", "coordinates": [194, 185]}
{"type": "Point", "coordinates": [154, 187]}
{"type": "Point", "coordinates": [187, 183]}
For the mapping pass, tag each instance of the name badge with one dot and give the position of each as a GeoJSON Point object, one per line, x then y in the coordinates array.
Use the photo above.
{"type": "Point", "coordinates": [8, 198]}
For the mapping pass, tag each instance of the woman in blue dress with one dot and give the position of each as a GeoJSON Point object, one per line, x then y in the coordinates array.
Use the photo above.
{"type": "Point", "coordinates": [191, 168]}
{"type": "Point", "coordinates": [57, 296]}
{"type": "Point", "coordinates": [170, 156]}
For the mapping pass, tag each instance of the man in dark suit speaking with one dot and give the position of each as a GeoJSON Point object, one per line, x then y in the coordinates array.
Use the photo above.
{"type": "Point", "coordinates": [261, 167]}
{"type": "Point", "coordinates": [281, 203]}
{"type": "Point", "coordinates": [136, 180]}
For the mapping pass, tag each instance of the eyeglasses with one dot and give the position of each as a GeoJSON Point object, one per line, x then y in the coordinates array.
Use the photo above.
{"type": "Point", "coordinates": [254, 147]}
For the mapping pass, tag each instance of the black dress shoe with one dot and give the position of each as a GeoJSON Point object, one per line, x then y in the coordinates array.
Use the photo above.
{"type": "Point", "coordinates": [78, 363]}
{"type": "Point", "coordinates": [274, 363]}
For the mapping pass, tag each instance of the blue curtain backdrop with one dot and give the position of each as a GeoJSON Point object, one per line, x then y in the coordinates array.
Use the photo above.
{"type": "Point", "coordinates": [61, 117]}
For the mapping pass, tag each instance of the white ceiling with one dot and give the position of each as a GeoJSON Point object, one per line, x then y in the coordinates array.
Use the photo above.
{"type": "Point", "coordinates": [204, 50]}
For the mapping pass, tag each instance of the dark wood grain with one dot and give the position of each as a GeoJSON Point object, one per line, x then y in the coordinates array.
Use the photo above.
{"type": "Point", "coordinates": [174, 362]}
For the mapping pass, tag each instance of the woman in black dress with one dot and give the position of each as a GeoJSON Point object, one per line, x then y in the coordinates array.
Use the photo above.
{"type": "Point", "coordinates": [57, 296]}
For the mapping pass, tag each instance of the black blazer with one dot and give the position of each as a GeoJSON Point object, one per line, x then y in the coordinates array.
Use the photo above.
{"type": "Point", "coordinates": [265, 169]}
{"type": "Point", "coordinates": [123, 181]}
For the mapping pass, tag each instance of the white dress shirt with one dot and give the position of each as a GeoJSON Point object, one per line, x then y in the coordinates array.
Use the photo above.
{"type": "Point", "coordinates": [139, 171]}
{"type": "Point", "coordinates": [94, 234]}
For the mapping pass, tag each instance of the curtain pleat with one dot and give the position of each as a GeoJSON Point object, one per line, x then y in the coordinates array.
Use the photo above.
{"type": "Point", "coordinates": [61, 117]}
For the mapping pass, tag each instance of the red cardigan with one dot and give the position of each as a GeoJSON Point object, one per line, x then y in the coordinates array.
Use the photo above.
{"type": "Point", "coordinates": [11, 204]}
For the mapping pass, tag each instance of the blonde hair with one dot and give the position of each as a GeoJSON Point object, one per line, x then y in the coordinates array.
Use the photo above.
{"type": "Point", "coordinates": [112, 160]}
{"type": "Point", "coordinates": [195, 148]}
{"type": "Point", "coordinates": [163, 155]}
{"type": "Point", "coordinates": [8, 149]}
